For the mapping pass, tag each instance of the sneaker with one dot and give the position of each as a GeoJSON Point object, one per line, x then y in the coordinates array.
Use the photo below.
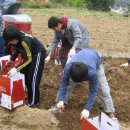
{"type": "Point", "coordinates": [33, 106]}
{"type": "Point", "coordinates": [111, 114]}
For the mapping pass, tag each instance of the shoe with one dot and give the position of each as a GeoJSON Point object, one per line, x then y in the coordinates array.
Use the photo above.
{"type": "Point", "coordinates": [111, 114]}
{"type": "Point", "coordinates": [33, 106]}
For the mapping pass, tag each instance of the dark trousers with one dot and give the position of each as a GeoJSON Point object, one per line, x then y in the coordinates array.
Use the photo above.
{"type": "Point", "coordinates": [63, 52]}
{"type": "Point", "coordinates": [1, 46]}
{"type": "Point", "coordinates": [33, 74]}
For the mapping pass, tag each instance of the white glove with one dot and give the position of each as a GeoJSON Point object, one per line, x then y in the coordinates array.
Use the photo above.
{"type": "Point", "coordinates": [60, 105]}
{"type": "Point", "coordinates": [84, 114]}
{"type": "Point", "coordinates": [47, 59]}
{"type": "Point", "coordinates": [71, 53]}
{"type": "Point", "coordinates": [125, 65]}
{"type": "Point", "coordinates": [12, 72]}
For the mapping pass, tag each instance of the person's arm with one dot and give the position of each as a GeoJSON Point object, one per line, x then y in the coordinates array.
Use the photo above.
{"type": "Point", "coordinates": [77, 34]}
{"type": "Point", "coordinates": [1, 3]}
{"type": "Point", "coordinates": [53, 46]}
{"type": "Point", "coordinates": [93, 90]}
{"type": "Point", "coordinates": [14, 55]}
{"type": "Point", "coordinates": [54, 43]}
{"type": "Point", "coordinates": [64, 84]}
{"type": "Point", "coordinates": [28, 54]}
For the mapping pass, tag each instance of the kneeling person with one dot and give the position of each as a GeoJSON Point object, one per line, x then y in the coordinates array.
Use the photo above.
{"type": "Point", "coordinates": [33, 55]}
{"type": "Point", "coordinates": [86, 65]}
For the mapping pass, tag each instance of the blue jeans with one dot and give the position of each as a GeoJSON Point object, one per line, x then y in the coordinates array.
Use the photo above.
{"type": "Point", "coordinates": [1, 46]}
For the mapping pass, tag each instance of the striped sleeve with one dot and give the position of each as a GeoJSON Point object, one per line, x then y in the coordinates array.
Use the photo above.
{"type": "Point", "coordinates": [28, 54]}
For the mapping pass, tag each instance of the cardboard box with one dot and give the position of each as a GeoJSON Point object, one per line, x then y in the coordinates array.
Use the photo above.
{"type": "Point", "coordinates": [3, 61]}
{"type": "Point", "coordinates": [12, 91]}
{"type": "Point", "coordinates": [102, 122]}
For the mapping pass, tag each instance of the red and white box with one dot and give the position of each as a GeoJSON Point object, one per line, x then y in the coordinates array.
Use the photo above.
{"type": "Point", "coordinates": [12, 91]}
{"type": "Point", "coordinates": [5, 59]}
{"type": "Point", "coordinates": [22, 21]}
{"type": "Point", "coordinates": [102, 122]}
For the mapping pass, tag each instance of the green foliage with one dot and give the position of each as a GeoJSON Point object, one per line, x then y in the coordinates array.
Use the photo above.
{"type": "Point", "coordinates": [102, 5]}
{"type": "Point", "coordinates": [35, 5]}
{"type": "Point", "coordinates": [71, 3]}
{"type": "Point", "coordinates": [76, 3]}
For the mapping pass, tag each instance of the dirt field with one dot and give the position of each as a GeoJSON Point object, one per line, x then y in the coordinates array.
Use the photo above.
{"type": "Point", "coordinates": [109, 32]}
{"type": "Point", "coordinates": [119, 83]}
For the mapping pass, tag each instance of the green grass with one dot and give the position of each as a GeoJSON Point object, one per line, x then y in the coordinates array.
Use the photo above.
{"type": "Point", "coordinates": [35, 5]}
{"type": "Point", "coordinates": [74, 13]}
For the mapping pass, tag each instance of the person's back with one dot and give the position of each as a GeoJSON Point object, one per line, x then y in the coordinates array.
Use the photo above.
{"type": "Point", "coordinates": [88, 57]}
{"type": "Point", "coordinates": [36, 45]}
{"type": "Point", "coordinates": [6, 3]}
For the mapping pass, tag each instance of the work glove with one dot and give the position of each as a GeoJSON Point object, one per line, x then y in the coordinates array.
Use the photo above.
{"type": "Point", "coordinates": [47, 59]}
{"type": "Point", "coordinates": [60, 105]}
{"type": "Point", "coordinates": [8, 63]}
{"type": "Point", "coordinates": [84, 114]}
{"type": "Point", "coordinates": [125, 65]}
{"type": "Point", "coordinates": [12, 72]}
{"type": "Point", "coordinates": [71, 53]}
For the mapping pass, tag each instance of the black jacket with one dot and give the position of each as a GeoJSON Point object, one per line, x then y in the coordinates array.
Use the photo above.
{"type": "Point", "coordinates": [28, 47]}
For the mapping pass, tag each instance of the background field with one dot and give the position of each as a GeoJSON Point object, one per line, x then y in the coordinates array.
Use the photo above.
{"type": "Point", "coordinates": [110, 34]}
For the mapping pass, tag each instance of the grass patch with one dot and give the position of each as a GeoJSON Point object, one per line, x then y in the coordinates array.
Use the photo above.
{"type": "Point", "coordinates": [74, 13]}
{"type": "Point", "coordinates": [34, 5]}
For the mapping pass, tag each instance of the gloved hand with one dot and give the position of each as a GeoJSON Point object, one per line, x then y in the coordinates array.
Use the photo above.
{"type": "Point", "coordinates": [47, 59]}
{"type": "Point", "coordinates": [71, 53]}
{"type": "Point", "coordinates": [84, 114]}
{"type": "Point", "coordinates": [12, 72]}
{"type": "Point", "coordinates": [8, 63]}
{"type": "Point", "coordinates": [125, 65]}
{"type": "Point", "coordinates": [60, 105]}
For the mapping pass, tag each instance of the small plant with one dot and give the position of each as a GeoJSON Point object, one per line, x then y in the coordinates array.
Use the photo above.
{"type": "Point", "coordinates": [101, 5]}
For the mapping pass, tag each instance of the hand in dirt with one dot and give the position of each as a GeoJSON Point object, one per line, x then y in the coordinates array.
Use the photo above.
{"type": "Point", "coordinates": [60, 105]}
{"type": "Point", "coordinates": [84, 114]}
{"type": "Point", "coordinates": [47, 59]}
{"type": "Point", "coordinates": [125, 65]}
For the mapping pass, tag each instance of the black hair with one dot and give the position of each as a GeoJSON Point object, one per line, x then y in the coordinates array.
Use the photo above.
{"type": "Point", "coordinates": [53, 22]}
{"type": "Point", "coordinates": [78, 71]}
{"type": "Point", "coordinates": [11, 33]}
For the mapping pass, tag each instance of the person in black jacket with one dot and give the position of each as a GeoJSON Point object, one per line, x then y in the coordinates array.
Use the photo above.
{"type": "Point", "coordinates": [33, 56]}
